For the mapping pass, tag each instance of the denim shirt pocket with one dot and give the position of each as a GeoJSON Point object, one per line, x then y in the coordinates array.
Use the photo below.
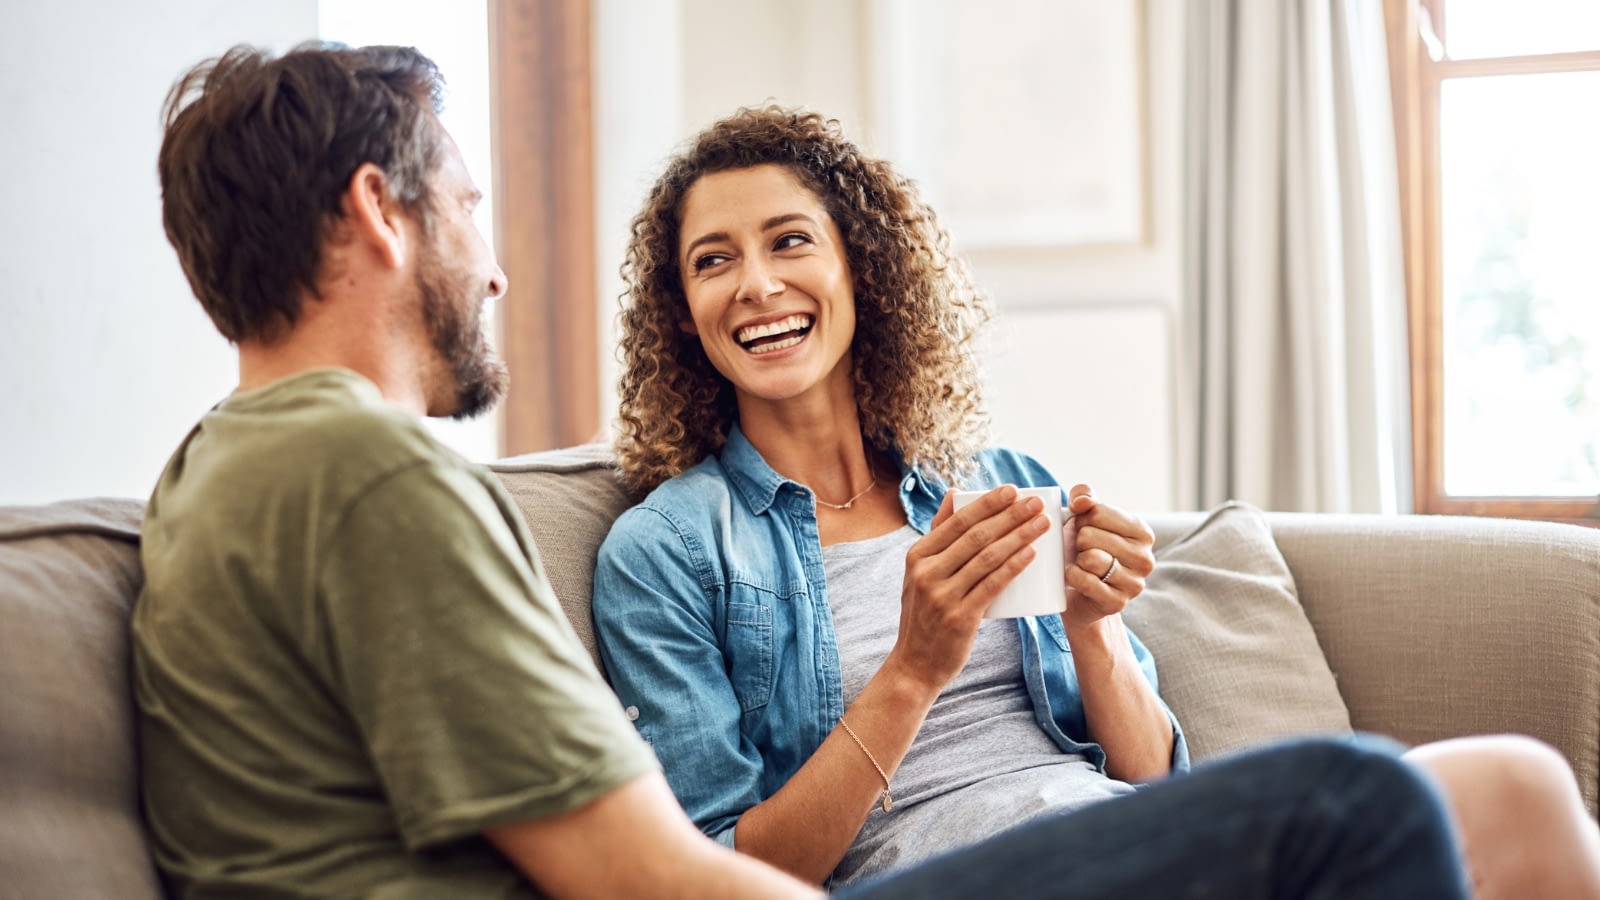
{"type": "Point", "coordinates": [748, 646]}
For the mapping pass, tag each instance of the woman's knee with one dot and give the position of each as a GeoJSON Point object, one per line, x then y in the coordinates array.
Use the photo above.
{"type": "Point", "coordinates": [1504, 770]}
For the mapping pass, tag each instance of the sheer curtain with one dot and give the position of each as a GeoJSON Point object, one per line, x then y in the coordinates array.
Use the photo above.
{"type": "Point", "coordinates": [1293, 385]}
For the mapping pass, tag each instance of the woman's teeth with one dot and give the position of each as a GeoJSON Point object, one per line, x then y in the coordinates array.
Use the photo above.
{"type": "Point", "coordinates": [772, 336]}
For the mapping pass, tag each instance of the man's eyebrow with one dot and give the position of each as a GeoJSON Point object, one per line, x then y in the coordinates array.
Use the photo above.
{"type": "Point", "coordinates": [766, 225]}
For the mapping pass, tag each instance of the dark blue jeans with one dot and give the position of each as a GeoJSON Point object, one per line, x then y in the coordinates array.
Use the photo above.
{"type": "Point", "coordinates": [1309, 820]}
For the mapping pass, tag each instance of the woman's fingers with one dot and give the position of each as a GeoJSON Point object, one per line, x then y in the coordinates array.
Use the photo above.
{"type": "Point", "coordinates": [973, 551]}
{"type": "Point", "coordinates": [1096, 547]}
{"type": "Point", "coordinates": [950, 545]}
{"type": "Point", "coordinates": [1109, 555]}
{"type": "Point", "coordinates": [997, 562]}
{"type": "Point", "coordinates": [947, 589]}
{"type": "Point", "coordinates": [947, 528]}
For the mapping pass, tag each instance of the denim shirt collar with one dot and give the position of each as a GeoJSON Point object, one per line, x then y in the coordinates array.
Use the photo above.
{"type": "Point", "coordinates": [758, 483]}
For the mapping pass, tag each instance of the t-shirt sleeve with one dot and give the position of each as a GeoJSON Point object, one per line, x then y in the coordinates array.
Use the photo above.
{"type": "Point", "coordinates": [471, 691]}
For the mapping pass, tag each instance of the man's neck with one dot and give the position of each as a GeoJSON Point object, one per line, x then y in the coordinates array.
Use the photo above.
{"type": "Point", "coordinates": [386, 363]}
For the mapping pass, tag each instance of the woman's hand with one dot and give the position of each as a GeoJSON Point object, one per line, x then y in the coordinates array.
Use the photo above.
{"type": "Point", "coordinates": [1109, 553]}
{"type": "Point", "coordinates": [952, 575]}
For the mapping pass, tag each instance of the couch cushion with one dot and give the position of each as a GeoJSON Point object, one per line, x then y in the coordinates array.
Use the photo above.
{"type": "Point", "coordinates": [1238, 661]}
{"type": "Point", "coordinates": [569, 497]}
{"type": "Point", "coordinates": [69, 814]}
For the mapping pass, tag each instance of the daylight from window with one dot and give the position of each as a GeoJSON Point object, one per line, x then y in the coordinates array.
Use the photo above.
{"type": "Point", "coordinates": [1520, 211]}
{"type": "Point", "coordinates": [455, 37]}
{"type": "Point", "coordinates": [1485, 28]}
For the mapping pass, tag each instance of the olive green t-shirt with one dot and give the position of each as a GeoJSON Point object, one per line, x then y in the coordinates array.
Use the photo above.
{"type": "Point", "coordinates": [348, 661]}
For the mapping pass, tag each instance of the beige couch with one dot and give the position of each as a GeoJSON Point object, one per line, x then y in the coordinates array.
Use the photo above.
{"type": "Point", "coordinates": [1429, 627]}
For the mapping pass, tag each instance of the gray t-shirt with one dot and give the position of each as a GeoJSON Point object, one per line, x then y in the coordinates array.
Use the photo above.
{"type": "Point", "coordinates": [348, 661]}
{"type": "Point", "coordinates": [981, 764]}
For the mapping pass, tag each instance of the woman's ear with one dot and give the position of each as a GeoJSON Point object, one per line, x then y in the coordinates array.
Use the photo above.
{"type": "Point", "coordinates": [373, 217]}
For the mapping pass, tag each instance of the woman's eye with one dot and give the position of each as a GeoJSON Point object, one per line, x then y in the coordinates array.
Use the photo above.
{"type": "Point", "coordinates": [704, 262]}
{"type": "Point", "coordinates": [792, 239]}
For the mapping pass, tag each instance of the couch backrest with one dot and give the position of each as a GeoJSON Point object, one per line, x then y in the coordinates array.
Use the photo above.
{"type": "Point", "coordinates": [69, 814]}
{"type": "Point", "coordinates": [569, 498]}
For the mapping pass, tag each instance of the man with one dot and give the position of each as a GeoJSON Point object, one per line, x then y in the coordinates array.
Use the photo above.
{"type": "Point", "coordinates": [352, 677]}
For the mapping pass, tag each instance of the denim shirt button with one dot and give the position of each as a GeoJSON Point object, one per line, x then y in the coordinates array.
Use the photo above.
{"type": "Point", "coordinates": [911, 483]}
{"type": "Point", "coordinates": [633, 713]}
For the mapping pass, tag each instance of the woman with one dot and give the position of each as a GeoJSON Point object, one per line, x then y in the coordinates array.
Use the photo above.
{"type": "Point", "coordinates": [793, 613]}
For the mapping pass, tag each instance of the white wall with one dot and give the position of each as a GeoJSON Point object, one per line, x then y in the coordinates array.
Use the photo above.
{"type": "Point", "coordinates": [105, 357]}
{"type": "Point", "coordinates": [1080, 371]}
{"type": "Point", "coordinates": [1108, 394]}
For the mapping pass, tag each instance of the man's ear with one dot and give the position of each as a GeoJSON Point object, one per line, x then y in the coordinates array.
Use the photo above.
{"type": "Point", "coordinates": [373, 217]}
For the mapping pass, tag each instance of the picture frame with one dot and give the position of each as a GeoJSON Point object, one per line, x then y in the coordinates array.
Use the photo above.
{"type": "Point", "coordinates": [1021, 120]}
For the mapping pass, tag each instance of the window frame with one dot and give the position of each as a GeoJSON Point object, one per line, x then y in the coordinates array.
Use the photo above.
{"type": "Point", "coordinates": [1415, 80]}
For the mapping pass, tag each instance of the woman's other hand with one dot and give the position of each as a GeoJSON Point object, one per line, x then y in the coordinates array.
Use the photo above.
{"type": "Point", "coordinates": [952, 575]}
{"type": "Point", "coordinates": [1109, 554]}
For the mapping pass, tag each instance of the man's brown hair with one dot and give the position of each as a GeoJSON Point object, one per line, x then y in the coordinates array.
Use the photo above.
{"type": "Point", "coordinates": [258, 152]}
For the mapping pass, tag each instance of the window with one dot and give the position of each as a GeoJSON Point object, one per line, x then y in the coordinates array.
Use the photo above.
{"type": "Point", "coordinates": [1500, 183]}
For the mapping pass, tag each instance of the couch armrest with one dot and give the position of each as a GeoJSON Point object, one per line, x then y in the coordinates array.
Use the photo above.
{"type": "Point", "coordinates": [1444, 626]}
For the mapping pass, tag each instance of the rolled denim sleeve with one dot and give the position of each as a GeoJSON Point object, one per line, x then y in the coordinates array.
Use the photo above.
{"type": "Point", "coordinates": [658, 621]}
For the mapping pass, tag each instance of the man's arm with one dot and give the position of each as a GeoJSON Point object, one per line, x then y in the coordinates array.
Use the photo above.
{"type": "Point", "coordinates": [575, 854]}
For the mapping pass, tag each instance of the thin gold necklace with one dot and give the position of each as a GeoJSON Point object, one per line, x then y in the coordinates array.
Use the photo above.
{"type": "Point", "coordinates": [848, 503]}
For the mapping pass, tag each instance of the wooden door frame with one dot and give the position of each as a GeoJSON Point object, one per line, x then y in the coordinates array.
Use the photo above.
{"type": "Point", "coordinates": [542, 123]}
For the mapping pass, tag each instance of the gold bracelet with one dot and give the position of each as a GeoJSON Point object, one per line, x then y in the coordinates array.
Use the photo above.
{"type": "Point", "coordinates": [885, 800]}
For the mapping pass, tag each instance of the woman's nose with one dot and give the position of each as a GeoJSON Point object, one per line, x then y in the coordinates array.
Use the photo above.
{"type": "Point", "coordinates": [758, 281]}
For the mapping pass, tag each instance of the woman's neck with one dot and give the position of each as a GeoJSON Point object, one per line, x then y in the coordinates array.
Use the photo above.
{"type": "Point", "coordinates": [816, 444]}
{"type": "Point", "coordinates": [821, 447]}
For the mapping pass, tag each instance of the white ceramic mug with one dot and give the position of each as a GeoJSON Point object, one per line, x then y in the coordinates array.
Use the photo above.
{"type": "Point", "coordinates": [1039, 589]}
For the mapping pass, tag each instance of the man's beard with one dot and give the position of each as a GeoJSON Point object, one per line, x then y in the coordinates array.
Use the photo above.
{"type": "Point", "coordinates": [450, 313]}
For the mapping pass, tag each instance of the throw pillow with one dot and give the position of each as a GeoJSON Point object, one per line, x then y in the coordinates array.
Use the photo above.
{"type": "Point", "coordinates": [1237, 659]}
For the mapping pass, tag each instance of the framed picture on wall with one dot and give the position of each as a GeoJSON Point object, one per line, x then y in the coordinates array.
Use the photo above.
{"type": "Point", "coordinates": [1022, 120]}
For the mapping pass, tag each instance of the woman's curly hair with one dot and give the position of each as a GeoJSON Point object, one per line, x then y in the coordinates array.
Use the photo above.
{"type": "Point", "coordinates": [917, 311]}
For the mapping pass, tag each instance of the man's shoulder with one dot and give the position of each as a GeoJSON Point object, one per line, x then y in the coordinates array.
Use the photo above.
{"type": "Point", "coordinates": [302, 450]}
{"type": "Point", "coordinates": [326, 421]}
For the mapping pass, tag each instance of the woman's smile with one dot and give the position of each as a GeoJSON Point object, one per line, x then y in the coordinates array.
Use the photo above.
{"type": "Point", "coordinates": [771, 337]}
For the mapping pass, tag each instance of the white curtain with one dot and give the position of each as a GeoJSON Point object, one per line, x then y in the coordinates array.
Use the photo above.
{"type": "Point", "coordinates": [1293, 385]}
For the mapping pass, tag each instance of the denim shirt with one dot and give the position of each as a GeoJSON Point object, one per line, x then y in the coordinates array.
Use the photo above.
{"type": "Point", "coordinates": [712, 618]}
